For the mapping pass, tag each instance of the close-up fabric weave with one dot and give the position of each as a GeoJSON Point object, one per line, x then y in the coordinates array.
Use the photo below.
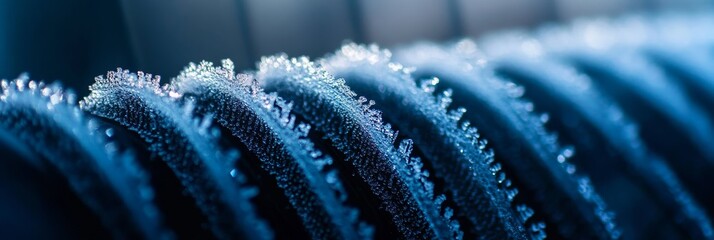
{"type": "Point", "coordinates": [242, 119]}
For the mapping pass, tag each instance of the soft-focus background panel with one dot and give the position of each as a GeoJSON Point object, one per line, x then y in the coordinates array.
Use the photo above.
{"type": "Point", "coordinates": [569, 9]}
{"type": "Point", "coordinates": [75, 40]}
{"type": "Point", "coordinates": [4, 36]}
{"type": "Point", "coordinates": [53, 40]}
{"type": "Point", "coordinates": [481, 16]}
{"type": "Point", "coordinates": [682, 4]}
{"type": "Point", "coordinates": [297, 27]}
{"type": "Point", "coordinates": [166, 35]}
{"type": "Point", "coordinates": [398, 21]}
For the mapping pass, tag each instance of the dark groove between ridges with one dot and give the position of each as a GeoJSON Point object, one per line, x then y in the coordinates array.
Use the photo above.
{"type": "Point", "coordinates": [35, 189]}
{"type": "Point", "coordinates": [477, 203]}
{"type": "Point", "coordinates": [179, 210]}
{"type": "Point", "coordinates": [44, 118]}
{"type": "Point", "coordinates": [359, 191]}
{"type": "Point", "coordinates": [544, 183]}
{"type": "Point", "coordinates": [622, 169]}
{"type": "Point", "coordinates": [189, 149]}
{"type": "Point", "coordinates": [662, 130]}
{"type": "Point", "coordinates": [329, 108]}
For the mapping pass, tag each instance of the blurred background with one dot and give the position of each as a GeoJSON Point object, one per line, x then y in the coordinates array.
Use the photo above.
{"type": "Point", "coordinates": [73, 41]}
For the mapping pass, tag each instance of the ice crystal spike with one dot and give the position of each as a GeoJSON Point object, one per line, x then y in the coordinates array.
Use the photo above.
{"type": "Point", "coordinates": [608, 143]}
{"type": "Point", "coordinates": [187, 146]}
{"type": "Point", "coordinates": [358, 132]}
{"type": "Point", "coordinates": [659, 106]}
{"type": "Point", "coordinates": [570, 206]}
{"type": "Point", "coordinates": [264, 123]}
{"type": "Point", "coordinates": [453, 152]}
{"type": "Point", "coordinates": [110, 183]}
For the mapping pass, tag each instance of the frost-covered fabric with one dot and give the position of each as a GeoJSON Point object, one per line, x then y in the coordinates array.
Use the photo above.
{"type": "Point", "coordinates": [453, 149]}
{"type": "Point", "coordinates": [46, 119]}
{"type": "Point", "coordinates": [264, 123]}
{"type": "Point", "coordinates": [395, 177]}
{"type": "Point", "coordinates": [185, 143]}
{"type": "Point", "coordinates": [598, 129]}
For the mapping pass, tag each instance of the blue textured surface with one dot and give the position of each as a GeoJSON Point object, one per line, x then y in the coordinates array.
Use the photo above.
{"type": "Point", "coordinates": [600, 129]}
